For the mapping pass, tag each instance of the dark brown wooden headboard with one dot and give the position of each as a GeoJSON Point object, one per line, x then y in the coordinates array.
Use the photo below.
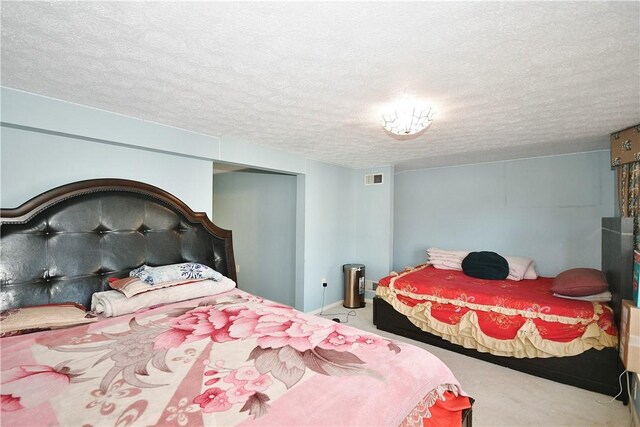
{"type": "Point", "coordinates": [65, 244]}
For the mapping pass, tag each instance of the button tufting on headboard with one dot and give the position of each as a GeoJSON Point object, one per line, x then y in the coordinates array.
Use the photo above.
{"type": "Point", "coordinates": [64, 244]}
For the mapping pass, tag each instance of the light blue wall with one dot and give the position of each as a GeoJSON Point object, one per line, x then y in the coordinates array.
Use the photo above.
{"type": "Point", "coordinates": [48, 142]}
{"type": "Point", "coordinates": [260, 208]}
{"type": "Point", "coordinates": [374, 223]}
{"type": "Point", "coordinates": [548, 209]}
{"type": "Point", "coordinates": [40, 112]}
{"type": "Point", "coordinates": [261, 156]}
{"type": "Point", "coordinates": [329, 230]}
{"type": "Point", "coordinates": [301, 201]}
{"type": "Point", "coordinates": [43, 113]}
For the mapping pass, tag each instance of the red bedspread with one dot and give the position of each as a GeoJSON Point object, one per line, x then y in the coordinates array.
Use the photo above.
{"type": "Point", "coordinates": [503, 317]}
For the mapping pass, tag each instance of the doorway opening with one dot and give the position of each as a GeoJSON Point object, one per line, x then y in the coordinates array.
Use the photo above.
{"type": "Point", "coordinates": [259, 206]}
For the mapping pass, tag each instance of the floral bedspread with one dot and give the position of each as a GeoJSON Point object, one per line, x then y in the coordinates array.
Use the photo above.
{"type": "Point", "coordinates": [225, 360]}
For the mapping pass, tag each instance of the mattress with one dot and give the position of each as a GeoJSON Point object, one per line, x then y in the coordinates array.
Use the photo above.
{"type": "Point", "coordinates": [230, 359]}
{"type": "Point", "coordinates": [501, 317]}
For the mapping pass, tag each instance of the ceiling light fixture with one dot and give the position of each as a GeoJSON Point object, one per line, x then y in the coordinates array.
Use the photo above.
{"type": "Point", "coordinates": [407, 117]}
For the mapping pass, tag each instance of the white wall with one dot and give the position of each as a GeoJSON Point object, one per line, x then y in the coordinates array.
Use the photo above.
{"type": "Point", "coordinates": [547, 208]}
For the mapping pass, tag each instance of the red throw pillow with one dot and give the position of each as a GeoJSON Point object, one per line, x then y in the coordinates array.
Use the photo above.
{"type": "Point", "coordinates": [580, 282]}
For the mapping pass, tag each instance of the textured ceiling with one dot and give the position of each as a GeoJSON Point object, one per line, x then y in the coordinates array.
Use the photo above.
{"type": "Point", "coordinates": [509, 79]}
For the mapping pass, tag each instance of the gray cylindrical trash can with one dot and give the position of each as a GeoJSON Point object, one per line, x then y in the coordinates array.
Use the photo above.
{"type": "Point", "coordinates": [353, 285]}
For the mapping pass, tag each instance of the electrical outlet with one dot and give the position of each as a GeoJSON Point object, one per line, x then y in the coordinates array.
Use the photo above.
{"type": "Point", "coordinates": [370, 285]}
{"type": "Point", "coordinates": [237, 268]}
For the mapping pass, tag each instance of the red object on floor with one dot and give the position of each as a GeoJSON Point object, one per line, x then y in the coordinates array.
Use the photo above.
{"type": "Point", "coordinates": [448, 412]}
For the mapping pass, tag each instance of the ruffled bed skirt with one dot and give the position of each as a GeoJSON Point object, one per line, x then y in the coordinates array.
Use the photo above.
{"type": "Point", "coordinates": [527, 342]}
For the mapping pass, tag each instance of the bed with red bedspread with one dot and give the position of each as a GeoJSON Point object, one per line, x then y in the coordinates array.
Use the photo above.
{"type": "Point", "coordinates": [501, 317]}
{"type": "Point", "coordinates": [518, 324]}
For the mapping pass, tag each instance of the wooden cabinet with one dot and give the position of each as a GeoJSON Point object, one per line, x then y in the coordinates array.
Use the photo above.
{"type": "Point", "coordinates": [630, 336]}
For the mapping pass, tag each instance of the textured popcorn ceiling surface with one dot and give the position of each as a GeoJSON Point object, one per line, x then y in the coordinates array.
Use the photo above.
{"type": "Point", "coordinates": [509, 79]}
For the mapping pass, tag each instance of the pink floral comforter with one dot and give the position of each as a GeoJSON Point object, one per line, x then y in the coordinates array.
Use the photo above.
{"type": "Point", "coordinates": [225, 360]}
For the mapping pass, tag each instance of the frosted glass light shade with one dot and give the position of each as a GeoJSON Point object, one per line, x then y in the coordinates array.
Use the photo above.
{"type": "Point", "coordinates": [407, 119]}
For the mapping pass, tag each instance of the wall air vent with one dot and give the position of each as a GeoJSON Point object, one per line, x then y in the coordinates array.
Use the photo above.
{"type": "Point", "coordinates": [373, 179]}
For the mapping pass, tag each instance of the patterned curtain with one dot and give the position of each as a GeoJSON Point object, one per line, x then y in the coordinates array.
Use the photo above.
{"type": "Point", "coordinates": [629, 192]}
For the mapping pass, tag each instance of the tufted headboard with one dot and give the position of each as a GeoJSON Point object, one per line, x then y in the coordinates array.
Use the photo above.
{"type": "Point", "coordinates": [65, 244]}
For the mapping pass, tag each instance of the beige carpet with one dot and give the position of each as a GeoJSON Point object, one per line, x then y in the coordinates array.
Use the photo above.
{"type": "Point", "coordinates": [505, 397]}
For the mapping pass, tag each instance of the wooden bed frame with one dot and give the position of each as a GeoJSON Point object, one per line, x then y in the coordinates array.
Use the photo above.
{"type": "Point", "coordinates": [64, 244]}
{"type": "Point", "coordinates": [594, 370]}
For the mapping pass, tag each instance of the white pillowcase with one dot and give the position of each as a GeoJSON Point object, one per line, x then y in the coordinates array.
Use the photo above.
{"type": "Point", "coordinates": [114, 303]}
{"type": "Point", "coordinates": [446, 260]}
{"type": "Point", "coordinates": [531, 272]}
{"type": "Point", "coordinates": [132, 286]}
{"type": "Point", "coordinates": [519, 267]}
{"type": "Point", "coordinates": [601, 297]}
